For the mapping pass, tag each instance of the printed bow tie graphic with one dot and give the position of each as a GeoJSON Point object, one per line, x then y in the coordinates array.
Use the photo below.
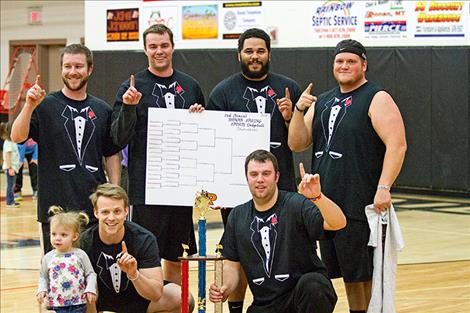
{"type": "Point", "coordinates": [82, 113]}
{"type": "Point", "coordinates": [257, 93]}
{"type": "Point", "coordinates": [168, 90]}
{"type": "Point", "coordinates": [262, 224]}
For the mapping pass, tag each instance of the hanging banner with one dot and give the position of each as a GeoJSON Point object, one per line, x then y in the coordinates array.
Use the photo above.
{"type": "Point", "coordinates": [122, 25]}
{"type": "Point", "coordinates": [335, 20]}
{"type": "Point", "coordinates": [386, 20]}
{"type": "Point", "coordinates": [200, 22]}
{"type": "Point", "coordinates": [240, 16]}
{"type": "Point", "coordinates": [440, 19]}
{"type": "Point", "coordinates": [166, 15]}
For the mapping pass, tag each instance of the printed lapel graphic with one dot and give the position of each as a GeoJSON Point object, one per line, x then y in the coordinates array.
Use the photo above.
{"type": "Point", "coordinates": [169, 97]}
{"type": "Point", "coordinates": [262, 101]}
{"type": "Point", "coordinates": [263, 238]}
{"type": "Point", "coordinates": [80, 127]}
{"type": "Point", "coordinates": [331, 117]}
{"type": "Point", "coordinates": [110, 273]}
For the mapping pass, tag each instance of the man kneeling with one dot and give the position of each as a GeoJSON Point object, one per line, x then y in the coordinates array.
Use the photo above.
{"type": "Point", "coordinates": [273, 238]}
{"type": "Point", "coordinates": [126, 259]}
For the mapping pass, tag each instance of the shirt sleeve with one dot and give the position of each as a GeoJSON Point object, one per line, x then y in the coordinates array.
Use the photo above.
{"type": "Point", "coordinates": [90, 274]}
{"type": "Point", "coordinates": [216, 99]}
{"type": "Point", "coordinates": [150, 256]}
{"type": "Point", "coordinates": [200, 96]}
{"type": "Point", "coordinates": [43, 282]}
{"type": "Point", "coordinates": [109, 147]}
{"type": "Point", "coordinates": [124, 118]}
{"type": "Point", "coordinates": [34, 123]}
{"type": "Point", "coordinates": [229, 244]}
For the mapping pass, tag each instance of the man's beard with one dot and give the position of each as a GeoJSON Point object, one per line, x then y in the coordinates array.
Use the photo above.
{"type": "Point", "coordinates": [83, 82]}
{"type": "Point", "coordinates": [252, 74]}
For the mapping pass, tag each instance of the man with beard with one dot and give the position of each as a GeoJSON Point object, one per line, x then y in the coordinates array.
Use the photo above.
{"type": "Point", "coordinates": [359, 146]}
{"type": "Point", "coordinates": [158, 86]}
{"type": "Point", "coordinates": [255, 89]}
{"type": "Point", "coordinates": [72, 129]}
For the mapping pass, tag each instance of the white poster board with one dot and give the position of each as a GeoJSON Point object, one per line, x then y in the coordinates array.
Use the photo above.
{"type": "Point", "coordinates": [190, 152]}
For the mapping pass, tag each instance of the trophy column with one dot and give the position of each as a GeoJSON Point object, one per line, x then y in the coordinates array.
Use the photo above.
{"type": "Point", "coordinates": [201, 203]}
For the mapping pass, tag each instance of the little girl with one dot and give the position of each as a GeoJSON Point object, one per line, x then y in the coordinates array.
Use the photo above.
{"type": "Point", "coordinates": [67, 280]}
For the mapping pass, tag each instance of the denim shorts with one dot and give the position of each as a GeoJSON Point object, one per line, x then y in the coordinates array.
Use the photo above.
{"type": "Point", "coordinates": [80, 308]}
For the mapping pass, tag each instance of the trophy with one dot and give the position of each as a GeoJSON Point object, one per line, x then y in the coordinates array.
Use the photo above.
{"type": "Point", "coordinates": [201, 203]}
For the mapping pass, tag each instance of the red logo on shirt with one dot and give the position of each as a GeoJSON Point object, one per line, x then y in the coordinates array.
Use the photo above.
{"type": "Point", "coordinates": [274, 220]}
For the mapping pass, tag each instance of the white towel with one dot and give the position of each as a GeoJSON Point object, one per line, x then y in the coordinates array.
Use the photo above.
{"type": "Point", "coordinates": [385, 264]}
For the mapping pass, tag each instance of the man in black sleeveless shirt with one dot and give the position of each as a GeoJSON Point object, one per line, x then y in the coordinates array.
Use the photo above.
{"type": "Point", "coordinates": [359, 146]}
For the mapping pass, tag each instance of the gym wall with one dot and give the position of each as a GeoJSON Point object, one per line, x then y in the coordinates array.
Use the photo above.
{"type": "Point", "coordinates": [429, 84]}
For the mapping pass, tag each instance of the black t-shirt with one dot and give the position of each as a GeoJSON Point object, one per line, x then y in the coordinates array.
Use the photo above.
{"type": "Point", "coordinates": [347, 152]}
{"type": "Point", "coordinates": [178, 91]}
{"type": "Point", "coordinates": [275, 247]}
{"type": "Point", "coordinates": [72, 136]}
{"type": "Point", "coordinates": [116, 292]}
{"type": "Point", "coordinates": [239, 94]}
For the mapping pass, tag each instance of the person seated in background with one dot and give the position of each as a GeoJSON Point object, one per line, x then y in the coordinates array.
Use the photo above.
{"type": "Point", "coordinates": [28, 151]}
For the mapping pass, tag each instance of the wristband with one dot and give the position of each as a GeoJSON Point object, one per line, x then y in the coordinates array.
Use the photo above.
{"type": "Point", "coordinates": [136, 276]}
{"type": "Point", "coordinates": [297, 108]}
{"type": "Point", "coordinates": [315, 198]}
{"type": "Point", "coordinates": [386, 187]}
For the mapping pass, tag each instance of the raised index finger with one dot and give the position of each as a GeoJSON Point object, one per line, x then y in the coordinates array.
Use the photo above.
{"type": "Point", "coordinates": [302, 170]}
{"type": "Point", "coordinates": [37, 80]}
{"type": "Point", "coordinates": [124, 247]}
{"type": "Point", "coordinates": [132, 81]}
{"type": "Point", "coordinates": [287, 93]}
{"type": "Point", "coordinates": [309, 88]}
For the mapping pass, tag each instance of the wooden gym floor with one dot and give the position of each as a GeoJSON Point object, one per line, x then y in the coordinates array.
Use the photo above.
{"type": "Point", "coordinates": [433, 271]}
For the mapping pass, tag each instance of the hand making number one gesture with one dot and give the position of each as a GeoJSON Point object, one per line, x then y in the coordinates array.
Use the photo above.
{"type": "Point", "coordinates": [35, 94]}
{"type": "Point", "coordinates": [306, 99]}
{"type": "Point", "coordinates": [285, 106]}
{"type": "Point", "coordinates": [309, 184]}
{"type": "Point", "coordinates": [132, 96]}
{"type": "Point", "coordinates": [127, 263]}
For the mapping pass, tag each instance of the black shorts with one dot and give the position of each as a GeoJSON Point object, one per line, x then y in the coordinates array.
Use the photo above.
{"type": "Point", "coordinates": [313, 292]}
{"type": "Point", "coordinates": [347, 255]}
{"type": "Point", "coordinates": [171, 225]}
{"type": "Point", "coordinates": [107, 302]}
{"type": "Point", "coordinates": [121, 304]}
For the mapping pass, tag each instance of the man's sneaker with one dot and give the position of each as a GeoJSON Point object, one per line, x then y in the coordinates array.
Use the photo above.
{"type": "Point", "coordinates": [35, 195]}
{"type": "Point", "coordinates": [13, 205]}
{"type": "Point", "coordinates": [18, 196]}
